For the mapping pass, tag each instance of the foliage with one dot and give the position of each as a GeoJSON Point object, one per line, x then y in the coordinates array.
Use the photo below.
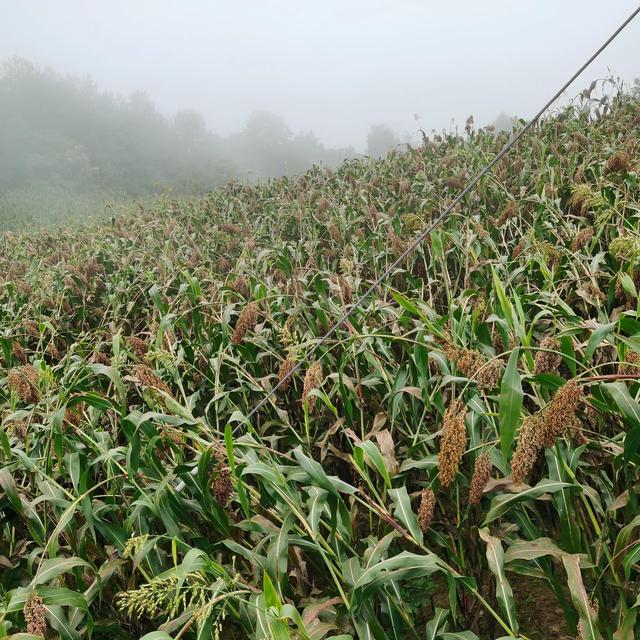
{"type": "Point", "coordinates": [64, 137]}
{"type": "Point", "coordinates": [130, 363]}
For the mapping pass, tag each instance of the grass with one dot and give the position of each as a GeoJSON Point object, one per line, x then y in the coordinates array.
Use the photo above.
{"type": "Point", "coordinates": [351, 505]}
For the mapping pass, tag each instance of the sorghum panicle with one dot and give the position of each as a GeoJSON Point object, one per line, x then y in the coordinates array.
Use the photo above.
{"type": "Point", "coordinates": [489, 375]}
{"type": "Point", "coordinates": [19, 353]}
{"type": "Point", "coordinates": [312, 380]}
{"type": "Point", "coordinates": [246, 321]}
{"type": "Point", "coordinates": [481, 475]}
{"type": "Point", "coordinates": [453, 443]}
{"type": "Point", "coordinates": [510, 210]}
{"type": "Point", "coordinates": [148, 378]}
{"type": "Point", "coordinates": [631, 364]}
{"type": "Point", "coordinates": [582, 239]}
{"type": "Point", "coordinates": [23, 382]}
{"type": "Point", "coordinates": [222, 486]}
{"type": "Point", "coordinates": [138, 346]}
{"type": "Point", "coordinates": [518, 249]}
{"type": "Point", "coordinates": [426, 509]}
{"type": "Point", "coordinates": [560, 414]}
{"type": "Point", "coordinates": [35, 615]}
{"type": "Point", "coordinates": [545, 361]}
{"type": "Point", "coordinates": [285, 368]}
{"type": "Point", "coordinates": [528, 448]}
{"type": "Point", "coordinates": [241, 286]}
{"type": "Point", "coordinates": [618, 163]}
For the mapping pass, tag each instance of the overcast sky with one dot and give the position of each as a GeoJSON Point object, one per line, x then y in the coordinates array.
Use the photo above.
{"type": "Point", "coordinates": [331, 66]}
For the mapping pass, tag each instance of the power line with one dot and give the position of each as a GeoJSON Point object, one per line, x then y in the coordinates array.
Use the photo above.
{"type": "Point", "coordinates": [435, 222]}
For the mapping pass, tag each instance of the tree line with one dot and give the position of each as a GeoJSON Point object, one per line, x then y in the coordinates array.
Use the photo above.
{"type": "Point", "coordinates": [64, 132]}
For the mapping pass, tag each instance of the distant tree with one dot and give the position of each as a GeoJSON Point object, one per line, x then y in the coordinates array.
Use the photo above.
{"type": "Point", "coordinates": [190, 126]}
{"type": "Point", "coordinates": [63, 132]}
{"type": "Point", "coordinates": [504, 122]}
{"type": "Point", "coordinates": [380, 140]}
{"type": "Point", "coordinates": [266, 129]}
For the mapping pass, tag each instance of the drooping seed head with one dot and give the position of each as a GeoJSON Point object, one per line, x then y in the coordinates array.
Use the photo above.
{"type": "Point", "coordinates": [312, 381]}
{"type": "Point", "coordinates": [426, 509]}
{"type": "Point", "coordinates": [631, 364]}
{"type": "Point", "coordinates": [624, 247]}
{"type": "Point", "coordinates": [98, 357]}
{"type": "Point", "coordinates": [138, 346]}
{"type": "Point", "coordinates": [618, 163]}
{"type": "Point", "coordinates": [241, 286]}
{"type": "Point", "coordinates": [489, 375]}
{"type": "Point", "coordinates": [528, 448]}
{"type": "Point", "coordinates": [546, 361]}
{"type": "Point", "coordinates": [222, 485]}
{"type": "Point", "coordinates": [509, 211]}
{"type": "Point", "coordinates": [35, 615]}
{"type": "Point", "coordinates": [453, 443]}
{"type": "Point", "coordinates": [582, 239]}
{"type": "Point", "coordinates": [18, 353]}
{"type": "Point", "coordinates": [560, 414]}
{"type": "Point", "coordinates": [481, 475]}
{"type": "Point", "coordinates": [223, 265]}
{"type": "Point", "coordinates": [285, 369]}
{"type": "Point", "coordinates": [232, 229]}
{"type": "Point", "coordinates": [246, 322]}
{"type": "Point", "coordinates": [472, 364]}
{"type": "Point", "coordinates": [345, 291]}
{"type": "Point", "coordinates": [518, 249]}
{"type": "Point", "coordinates": [148, 378]}
{"type": "Point", "coordinates": [23, 381]}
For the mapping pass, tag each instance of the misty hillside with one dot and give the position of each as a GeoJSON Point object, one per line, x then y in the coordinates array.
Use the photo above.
{"type": "Point", "coordinates": [63, 140]}
{"type": "Point", "coordinates": [460, 456]}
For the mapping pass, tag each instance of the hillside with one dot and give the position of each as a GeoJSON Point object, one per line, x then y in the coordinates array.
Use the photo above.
{"type": "Point", "coordinates": [68, 148]}
{"type": "Point", "coordinates": [461, 456]}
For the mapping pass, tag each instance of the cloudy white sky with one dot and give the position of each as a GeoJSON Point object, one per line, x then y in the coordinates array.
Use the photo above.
{"type": "Point", "coordinates": [331, 66]}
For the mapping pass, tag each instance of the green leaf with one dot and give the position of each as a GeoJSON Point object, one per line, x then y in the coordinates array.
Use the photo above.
{"type": "Point", "coordinates": [53, 567]}
{"type": "Point", "coordinates": [510, 403]}
{"type": "Point", "coordinates": [8, 485]}
{"type": "Point", "coordinates": [532, 549]}
{"type": "Point", "coordinates": [629, 408]}
{"type": "Point", "coordinates": [505, 304]}
{"type": "Point", "coordinates": [270, 594]}
{"type": "Point", "coordinates": [315, 471]}
{"type": "Point", "coordinates": [376, 459]}
{"type": "Point", "coordinates": [504, 593]}
{"type": "Point", "coordinates": [278, 553]}
{"type": "Point", "coordinates": [588, 617]}
{"type": "Point", "coordinates": [239, 484]}
{"type": "Point", "coordinates": [631, 558]}
{"type": "Point", "coordinates": [54, 596]}
{"type": "Point", "coordinates": [93, 400]}
{"type": "Point", "coordinates": [405, 564]}
{"type": "Point", "coordinates": [596, 338]}
{"type": "Point", "coordinates": [501, 504]}
{"type": "Point", "coordinates": [404, 513]}
{"type": "Point", "coordinates": [622, 540]}
{"type": "Point", "coordinates": [407, 305]}
{"type": "Point", "coordinates": [436, 623]}
{"type": "Point", "coordinates": [626, 629]}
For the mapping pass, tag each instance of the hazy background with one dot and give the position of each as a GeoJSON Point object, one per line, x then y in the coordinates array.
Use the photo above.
{"type": "Point", "coordinates": [190, 92]}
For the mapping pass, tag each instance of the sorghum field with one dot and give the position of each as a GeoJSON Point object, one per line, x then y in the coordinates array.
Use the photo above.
{"type": "Point", "coordinates": [459, 461]}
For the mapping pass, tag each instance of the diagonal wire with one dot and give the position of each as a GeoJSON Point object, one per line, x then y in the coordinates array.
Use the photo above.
{"type": "Point", "coordinates": [418, 240]}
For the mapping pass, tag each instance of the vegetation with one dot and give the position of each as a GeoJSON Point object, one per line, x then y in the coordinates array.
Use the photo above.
{"type": "Point", "coordinates": [65, 142]}
{"type": "Point", "coordinates": [460, 460]}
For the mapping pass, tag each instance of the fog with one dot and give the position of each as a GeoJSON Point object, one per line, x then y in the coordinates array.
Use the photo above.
{"type": "Point", "coordinates": [335, 67]}
{"type": "Point", "coordinates": [314, 81]}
